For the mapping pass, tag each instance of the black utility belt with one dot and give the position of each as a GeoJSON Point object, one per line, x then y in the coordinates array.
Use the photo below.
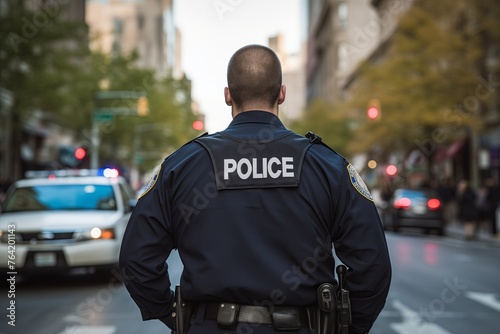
{"type": "Point", "coordinates": [280, 317]}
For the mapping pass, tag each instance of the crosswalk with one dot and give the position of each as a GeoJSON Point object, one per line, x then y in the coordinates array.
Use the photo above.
{"type": "Point", "coordinates": [409, 321]}
{"type": "Point", "coordinates": [487, 299]}
{"type": "Point", "coordinates": [85, 329]}
{"type": "Point", "coordinates": [413, 322]}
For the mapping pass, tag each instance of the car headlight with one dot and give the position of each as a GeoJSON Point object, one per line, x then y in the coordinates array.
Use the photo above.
{"type": "Point", "coordinates": [98, 233]}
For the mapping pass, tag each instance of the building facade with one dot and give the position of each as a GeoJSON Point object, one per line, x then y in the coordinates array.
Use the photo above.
{"type": "Point", "coordinates": [293, 66]}
{"type": "Point", "coordinates": [119, 27]}
{"type": "Point", "coordinates": [341, 33]}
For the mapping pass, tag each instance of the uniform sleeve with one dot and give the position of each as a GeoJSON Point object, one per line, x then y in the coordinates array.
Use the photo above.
{"type": "Point", "coordinates": [146, 245]}
{"type": "Point", "coordinates": [360, 243]}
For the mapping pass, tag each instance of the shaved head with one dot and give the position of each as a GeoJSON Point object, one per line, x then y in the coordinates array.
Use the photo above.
{"type": "Point", "coordinates": [254, 76]}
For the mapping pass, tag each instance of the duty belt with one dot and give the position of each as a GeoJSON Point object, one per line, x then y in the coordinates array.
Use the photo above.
{"type": "Point", "coordinates": [280, 317]}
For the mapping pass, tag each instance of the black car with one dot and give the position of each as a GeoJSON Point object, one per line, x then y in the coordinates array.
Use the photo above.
{"type": "Point", "coordinates": [414, 208]}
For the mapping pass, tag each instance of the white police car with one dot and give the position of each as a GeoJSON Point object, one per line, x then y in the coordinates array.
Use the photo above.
{"type": "Point", "coordinates": [64, 219]}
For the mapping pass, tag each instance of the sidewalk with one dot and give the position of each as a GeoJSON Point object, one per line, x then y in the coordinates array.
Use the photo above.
{"type": "Point", "coordinates": [456, 230]}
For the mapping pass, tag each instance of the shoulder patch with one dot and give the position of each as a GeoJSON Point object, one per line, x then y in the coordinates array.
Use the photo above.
{"type": "Point", "coordinates": [358, 182]}
{"type": "Point", "coordinates": [152, 181]}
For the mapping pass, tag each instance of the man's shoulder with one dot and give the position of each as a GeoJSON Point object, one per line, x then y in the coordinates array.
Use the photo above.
{"type": "Point", "coordinates": [189, 149]}
{"type": "Point", "coordinates": [322, 150]}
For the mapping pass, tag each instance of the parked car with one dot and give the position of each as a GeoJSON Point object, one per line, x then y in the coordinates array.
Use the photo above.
{"type": "Point", "coordinates": [59, 220]}
{"type": "Point", "coordinates": [414, 208]}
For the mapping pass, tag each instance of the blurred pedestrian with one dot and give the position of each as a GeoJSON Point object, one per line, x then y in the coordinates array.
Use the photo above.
{"type": "Point", "coordinates": [493, 201]}
{"type": "Point", "coordinates": [467, 209]}
{"type": "Point", "coordinates": [483, 206]}
{"type": "Point", "coordinates": [446, 192]}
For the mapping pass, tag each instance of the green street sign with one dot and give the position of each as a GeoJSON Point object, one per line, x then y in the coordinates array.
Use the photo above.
{"type": "Point", "coordinates": [103, 117]}
{"type": "Point", "coordinates": [119, 94]}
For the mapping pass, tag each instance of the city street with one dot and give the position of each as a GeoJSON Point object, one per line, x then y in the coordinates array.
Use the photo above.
{"type": "Point", "coordinates": [441, 285]}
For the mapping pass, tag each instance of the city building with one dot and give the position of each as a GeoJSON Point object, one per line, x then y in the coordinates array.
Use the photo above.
{"type": "Point", "coordinates": [340, 34]}
{"type": "Point", "coordinates": [293, 69]}
{"type": "Point", "coordinates": [343, 33]}
{"type": "Point", "coordinates": [119, 27]}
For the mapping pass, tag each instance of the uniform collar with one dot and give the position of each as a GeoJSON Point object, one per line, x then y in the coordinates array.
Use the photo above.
{"type": "Point", "coordinates": [257, 116]}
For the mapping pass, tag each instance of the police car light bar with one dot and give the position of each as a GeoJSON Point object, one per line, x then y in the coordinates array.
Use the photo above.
{"type": "Point", "coordinates": [107, 172]}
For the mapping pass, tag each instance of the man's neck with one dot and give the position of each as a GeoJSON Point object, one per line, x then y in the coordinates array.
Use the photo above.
{"type": "Point", "coordinates": [236, 111]}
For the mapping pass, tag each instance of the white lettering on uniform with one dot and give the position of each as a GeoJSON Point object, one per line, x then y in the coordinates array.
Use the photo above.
{"type": "Point", "coordinates": [229, 167]}
{"type": "Point", "coordinates": [273, 167]}
{"type": "Point", "coordinates": [273, 174]}
{"type": "Point", "coordinates": [288, 167]}
{"type": "Point", "coordinates": [249, 168]}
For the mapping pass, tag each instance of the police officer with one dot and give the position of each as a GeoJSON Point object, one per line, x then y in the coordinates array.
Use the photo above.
{"type": "Point", "coordinates": [253, 211]}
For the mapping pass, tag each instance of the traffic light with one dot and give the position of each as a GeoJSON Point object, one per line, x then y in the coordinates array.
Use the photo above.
{"type": "Point", "coordinates": [374, 112]}
{"type": "Point", "coordinates": [391, 170]}
{"type": "Point", "coordinates": [142, 106]}
{"type": "Point", "coordinates": [80, 153]}
{"type": "Point", "coordinates": [72, 157]}
{"type": "Point", "coordinates": [199, 123]}
{"type": "Point", "coordinates": [372, 164]}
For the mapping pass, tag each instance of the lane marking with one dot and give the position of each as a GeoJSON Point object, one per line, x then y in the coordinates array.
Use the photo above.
{"type": "Point", "coordinates": [487, 299]}
{"type": "Point", "coordinates": [413, 322]}
{"type": "Point", "coordinates": [448, 315]}
{"type": "Point", "coordinates": [79, 329]}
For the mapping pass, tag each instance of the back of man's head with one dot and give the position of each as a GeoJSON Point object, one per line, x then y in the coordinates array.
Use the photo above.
{"type": "Point", "coordinates": [254, 76]}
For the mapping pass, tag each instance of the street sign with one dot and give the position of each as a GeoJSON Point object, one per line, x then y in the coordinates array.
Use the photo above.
{"type": "Point", "coordinates": [116, 111]}
{"type": "Point", "coordinates": [119, 94]}
{"type": "Point", "coordinates": [103, 118]}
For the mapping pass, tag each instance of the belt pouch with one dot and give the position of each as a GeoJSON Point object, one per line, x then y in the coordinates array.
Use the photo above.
{"type": "Point", "coordinates": [227, 316]}
{"type": "Point", "coordinates": [286, 318]}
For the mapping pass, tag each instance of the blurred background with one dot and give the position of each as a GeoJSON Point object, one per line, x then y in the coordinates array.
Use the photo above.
{"type": "Point", "coordinates": [403, 83]}
{"type": "Point", "coordinates": [407, 90]}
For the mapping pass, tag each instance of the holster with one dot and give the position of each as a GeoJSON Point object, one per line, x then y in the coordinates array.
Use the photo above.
{"type": "Point", "coordinates": [334, 307]}
{"type": "Point", "coordinates": [327, 309]}
{"type": "Point", "coordinates": [183, 313]}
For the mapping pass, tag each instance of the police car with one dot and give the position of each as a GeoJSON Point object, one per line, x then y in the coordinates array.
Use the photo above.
{"type": "Point", "coordinates": [64, 219]}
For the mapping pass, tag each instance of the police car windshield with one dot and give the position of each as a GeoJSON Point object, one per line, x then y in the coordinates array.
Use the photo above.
{"type": "Point", "coordinates": [61, 197]}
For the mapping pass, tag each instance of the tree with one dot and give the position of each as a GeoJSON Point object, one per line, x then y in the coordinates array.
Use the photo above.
{"type": "Point", "coordinates": [129, 139]}
{"type": "Point", "coordinates": [43, 63]}
{"type": "Point", "coordinates": [425, 82]}
{"type": "Point", "coordinates": [330, 122]}
{"type": "Point", "coordinates": [47, 65]}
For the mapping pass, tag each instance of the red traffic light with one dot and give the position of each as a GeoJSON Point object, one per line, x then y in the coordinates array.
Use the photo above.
{"type": "Point", "coordinates": [391, 170]}
{"type": "Point", "coordinates": [198, 125]}
{"type": "Point", "coordinates": [80, 153]}
{"type": "Point", "coordinates": [373, 112]}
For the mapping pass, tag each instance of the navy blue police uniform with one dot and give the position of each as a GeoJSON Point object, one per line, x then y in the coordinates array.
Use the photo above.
{"type": "Point", "coordinates": [253, 211]}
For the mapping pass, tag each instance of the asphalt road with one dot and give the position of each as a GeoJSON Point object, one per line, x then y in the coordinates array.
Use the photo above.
{"type": "Point", "coordinates": [441, 285]}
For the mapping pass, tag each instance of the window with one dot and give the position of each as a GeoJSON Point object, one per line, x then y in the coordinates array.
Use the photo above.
{"type": "Point", "coordinates": [342, 14]}
{"type": "Point", "coordinates": [342, 56]}
{"type": "Point", "coordinates": [117, 36]}
{"type": "Point", "coordinates": [127, 196]}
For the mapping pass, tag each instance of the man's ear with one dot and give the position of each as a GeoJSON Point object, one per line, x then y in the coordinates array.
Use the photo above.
{"type": "Point", "coordinates": [227, 97]}
{"type": "Point", "coordinates": [281, 97]}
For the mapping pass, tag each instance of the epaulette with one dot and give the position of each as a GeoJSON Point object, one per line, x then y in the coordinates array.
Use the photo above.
{"type": "Point", "coordinates": [315, 139]}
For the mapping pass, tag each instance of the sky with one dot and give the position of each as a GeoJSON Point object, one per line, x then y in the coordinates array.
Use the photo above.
{"type": "Point", "coordinates": [212, 30]}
